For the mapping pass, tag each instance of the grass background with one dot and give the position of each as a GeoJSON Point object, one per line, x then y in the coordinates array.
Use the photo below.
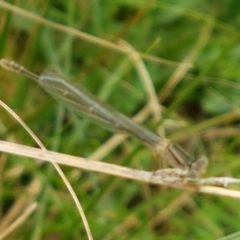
{"type": "Point", "coordinates": [201, 113]}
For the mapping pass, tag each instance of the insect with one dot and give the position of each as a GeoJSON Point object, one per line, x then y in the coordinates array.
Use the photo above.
{"type": "Point", "coordinates": [86, 104]}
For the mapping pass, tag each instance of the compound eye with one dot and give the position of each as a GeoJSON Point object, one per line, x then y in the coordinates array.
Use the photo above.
{"type": "Point", "coordinates": [201, 164]}
{"type": "Point", "coordinates": [198, 168]}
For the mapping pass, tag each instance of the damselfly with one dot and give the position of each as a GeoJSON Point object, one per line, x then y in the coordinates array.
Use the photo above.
{"type": "Point", "coordinates": [82, 102]}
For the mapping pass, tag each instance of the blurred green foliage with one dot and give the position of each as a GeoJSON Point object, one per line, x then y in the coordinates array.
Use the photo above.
{"type": "Point", "coordinates": [201, 113]}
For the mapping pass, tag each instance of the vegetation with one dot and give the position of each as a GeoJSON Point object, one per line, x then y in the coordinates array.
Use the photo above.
{"type": "Point", "coordinates": [189, 49]}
